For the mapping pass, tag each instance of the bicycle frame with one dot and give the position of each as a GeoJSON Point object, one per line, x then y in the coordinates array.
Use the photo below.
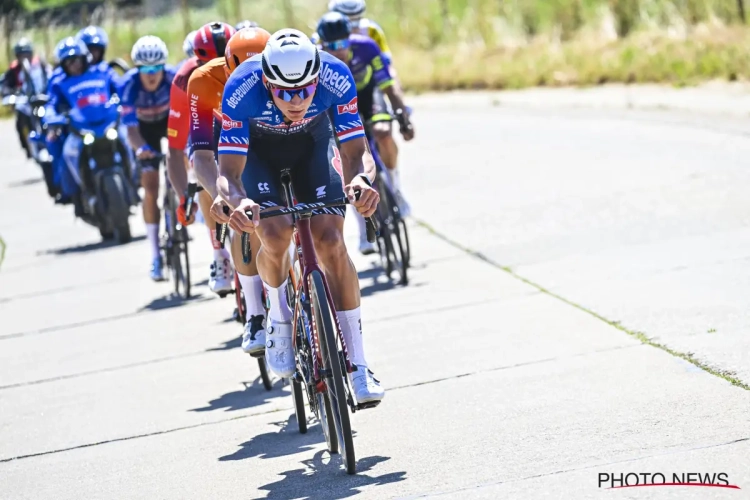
{"type": "Point", "coordinates": [308, 260]}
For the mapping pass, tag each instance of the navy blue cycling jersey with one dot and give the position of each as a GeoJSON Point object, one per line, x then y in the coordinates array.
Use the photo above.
{"type": "Point", "coordinates": [247, 102]}
{"type": "Point", "coordinates": [141, 106]}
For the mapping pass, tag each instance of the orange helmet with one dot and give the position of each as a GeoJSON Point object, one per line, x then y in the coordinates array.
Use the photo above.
{"type": "Point", "coordinates": [243, 45]}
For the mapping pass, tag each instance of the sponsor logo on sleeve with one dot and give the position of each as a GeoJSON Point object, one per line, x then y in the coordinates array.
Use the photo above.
{"type": "Point", "coordinates": [335, 82]}
{"type": "Point", "coordinates": [350, 107]}
{"type": "Point", "coordinates": [228, 124]}
{"type": "Point", "coordinates": [242, 90]}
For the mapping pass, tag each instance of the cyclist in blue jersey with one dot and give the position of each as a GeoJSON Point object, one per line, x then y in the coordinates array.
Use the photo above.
{"type": "Point", "coordinates": [144, 92]}
{"type": "Point", "coordinates": [275, 114]}
{"type": "Point", "coordinates": [80, 85]}
{"type": "Point", "coordinates": [372, 73]}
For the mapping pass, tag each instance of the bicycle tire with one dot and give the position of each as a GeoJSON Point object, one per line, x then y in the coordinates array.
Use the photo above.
{"type": "Point", "coordinates": [406, 243]}
{"type": "Point", "coordinates": [391, 234]}
{"type": "Point", "coordinates": [299, 406]}
{"type": "Point", "coordinates": [328, 426]}
{"type": "Point", "coordinates": [240, 301]}
{"type": "Point", "coordinates": [264, 376]}
{"type": "Point", "coordinates": [331, 361]}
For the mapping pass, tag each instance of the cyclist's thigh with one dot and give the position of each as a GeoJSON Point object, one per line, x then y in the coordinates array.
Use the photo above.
{"type": "Point", "coordinates": [320, 178]}
{"type": "Point", "coordinates": [260, 180]}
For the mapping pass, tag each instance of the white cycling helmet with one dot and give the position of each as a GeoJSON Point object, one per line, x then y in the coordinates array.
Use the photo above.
{"type": "Point", "coordinates": [290, 59]}
{"type": "Point", "coordinates": [187, 45]}
{"type": "Point", "coordinates": [149, 51]}
{"type": "Point", "coordinates": [350, 8]}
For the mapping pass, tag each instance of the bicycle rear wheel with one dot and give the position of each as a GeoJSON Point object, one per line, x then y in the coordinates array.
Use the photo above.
{"type": "Point", "coordinates": [334, 370]}
{"type": "Point", "coordinates": [391, 234]}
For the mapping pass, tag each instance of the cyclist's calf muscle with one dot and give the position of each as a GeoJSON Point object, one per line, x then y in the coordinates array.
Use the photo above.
{"type": "Point", "coordinates": [328, 238]}
{"type": "Point", "coordinates": [273, 258]}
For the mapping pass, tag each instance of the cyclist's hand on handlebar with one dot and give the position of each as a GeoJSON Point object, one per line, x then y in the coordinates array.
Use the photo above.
{"type": "Point", "coordinates": [368, 197]}
{"type": "Point", "coordinates": [405, 126]}
{"type": "Point", "coordinates": [144, 153]}
{"type": "Point", "coordinates": [182, 217]}
{"type": "Point", "coordinates": [239, 221]}
{"type": "Point", "coordinates": [217, 210]}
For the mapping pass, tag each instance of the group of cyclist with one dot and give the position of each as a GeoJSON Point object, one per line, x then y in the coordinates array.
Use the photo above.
{"type": "Point", "coordinates": [243, 105]}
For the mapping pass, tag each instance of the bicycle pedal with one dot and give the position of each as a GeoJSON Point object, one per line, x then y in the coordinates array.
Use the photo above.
{"type": "Point", "coordinates": [368, 405]}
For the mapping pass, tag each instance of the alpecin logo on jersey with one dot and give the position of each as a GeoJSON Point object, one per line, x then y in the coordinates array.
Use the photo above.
{"type": "Point", "coordinates": [350, 107]}
{"type": "Point", "coordinates": [334, 81]}
{"type": "Point", "coordinates": [228, 124]}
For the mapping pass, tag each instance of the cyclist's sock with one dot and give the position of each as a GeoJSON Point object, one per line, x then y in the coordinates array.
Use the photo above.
{"type": "Point", "coordinates": [351, 329]}
{"type": "Point", "coordinates": [360, 222]}
{"type": "Point", "coordinates": [221, 254]}
{"type": "Point", "coordinates": [152, 232]}
{"type": "Point", "coordinates": [252, 287]}
{"type": "Point", "coordinates": [279, 310]}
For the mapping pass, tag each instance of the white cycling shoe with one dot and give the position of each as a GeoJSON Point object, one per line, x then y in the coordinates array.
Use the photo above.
{"type": "Point", "coordinates": [279, 350]}
{"type": "Point", "coordinates": [366, 387]}
{"type": "Point", "coordinates": [222, 276]}
{"type": "Point", "coordinates": [254, 336]}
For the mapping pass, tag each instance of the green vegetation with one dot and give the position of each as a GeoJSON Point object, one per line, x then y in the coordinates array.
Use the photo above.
{"type": "Point", "coordinates": [447, 44]}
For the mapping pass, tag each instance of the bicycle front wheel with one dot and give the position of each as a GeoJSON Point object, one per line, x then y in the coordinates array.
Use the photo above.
{"type": "Point", "coordinates": [334, 370]}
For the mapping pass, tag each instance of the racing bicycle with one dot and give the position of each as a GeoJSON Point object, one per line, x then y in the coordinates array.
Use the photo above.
{"type": "Point", "coordinates": [393, 241]}
{"type": "Point", "coordinates": [321, 353]}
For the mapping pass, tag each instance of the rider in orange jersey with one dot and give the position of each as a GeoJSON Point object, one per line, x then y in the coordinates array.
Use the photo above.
{"type": "Point", "coordinates": [205, 90]}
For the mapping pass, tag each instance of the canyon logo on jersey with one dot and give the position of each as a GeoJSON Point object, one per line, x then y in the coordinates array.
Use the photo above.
{"type": "Point", "coordinates": [350, 107]}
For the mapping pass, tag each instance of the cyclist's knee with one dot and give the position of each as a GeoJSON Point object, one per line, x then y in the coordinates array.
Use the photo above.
{"type": "Point", "coordinates": [276, 236]}
{"type": "Point", "coordinates": [329, 243]}
{"type": "Point", "coordinates": [382, 131]}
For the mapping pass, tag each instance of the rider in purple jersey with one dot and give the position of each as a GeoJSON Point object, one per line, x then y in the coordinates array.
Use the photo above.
{"type": "Point", "coordinates": [275, 115]}
{"type": "Point", "coordinates": [372, 74]}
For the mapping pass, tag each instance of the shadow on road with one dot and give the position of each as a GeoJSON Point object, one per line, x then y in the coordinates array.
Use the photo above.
{"type": "Point", "coordinates": [327, 480]}
{"type": "Point", "coordinates": [88, 247]}
{"type": "Point", "coordinates": [228, 345]}
{"type": "Point", "coordinates": [286, 441]}
{"type": "Point", "coordinates": [254, 394]}
{"type": "Point", "coordinates": [170, 301]}
{"type": "Point", "coordinates": [25, 182]}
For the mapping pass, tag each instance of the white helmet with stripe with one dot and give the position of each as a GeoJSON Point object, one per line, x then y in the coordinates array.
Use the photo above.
{"type": "Point", "coordinates": [290, 59]}
{"type": "Point", "coordinates": [149, 51]}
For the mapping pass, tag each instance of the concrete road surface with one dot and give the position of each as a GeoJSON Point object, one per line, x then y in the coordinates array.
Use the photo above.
{"type": "Point", "coordinates": [578, 310]}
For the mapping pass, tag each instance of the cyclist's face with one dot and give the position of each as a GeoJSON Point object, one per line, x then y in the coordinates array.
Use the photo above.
{"type": "Point", "coordinates": [73, 66]}
{"type": "Point", "coordinates": [297, 107]}
{"type": "Point", "coordinates": [97, 53]}
{"type": "Point", "coordinates": [151, 81]}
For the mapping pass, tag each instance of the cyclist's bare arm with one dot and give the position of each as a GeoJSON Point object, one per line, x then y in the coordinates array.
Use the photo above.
{"type": "Point", "coordinates": [356, 159]}
{"type": "Point", "coordinates": [229, 182]}
{"type": "Point", "coordinates": [204, 166]}
{"type": "Point", "coordinates": [177, 170]}
{"type": "Point", "coordinates": [395, 96]}
{"type": "Point", "coordinates": [135, 138]}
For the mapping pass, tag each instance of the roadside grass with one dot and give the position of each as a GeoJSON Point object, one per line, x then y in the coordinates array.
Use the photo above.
{"type": "Point", "coordinates": [494, 44]}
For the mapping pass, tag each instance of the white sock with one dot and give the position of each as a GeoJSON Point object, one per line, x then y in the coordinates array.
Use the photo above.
{"type": "Point", "coordinates": [279, 310]}
{"type": "Point", "coordinates": [252, 287]}
{"type": "Point", "coordinates": [152, 232]}
{"type": "Point", "coordinates": [361, 224]}
{"type": "Point", "coordinates": [351, 329]}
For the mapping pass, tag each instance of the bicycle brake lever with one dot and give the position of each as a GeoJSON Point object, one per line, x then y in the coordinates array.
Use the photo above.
{"type": "Point", "coordinates": [371, 224]}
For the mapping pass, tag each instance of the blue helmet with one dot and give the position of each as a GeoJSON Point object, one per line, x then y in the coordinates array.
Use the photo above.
{"type": "Point", "coordinates": [71, 47]}
{"type": "Point", "coordinates": [93, 35]}
{"type": "Point", "coordinates": [334, 26]}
